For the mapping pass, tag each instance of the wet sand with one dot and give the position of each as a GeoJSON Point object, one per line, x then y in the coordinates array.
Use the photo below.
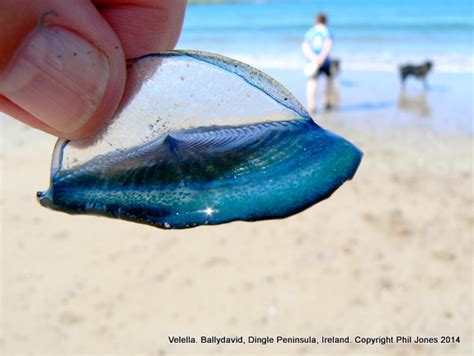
{"type": "Point", "coordinates": [390, 253]}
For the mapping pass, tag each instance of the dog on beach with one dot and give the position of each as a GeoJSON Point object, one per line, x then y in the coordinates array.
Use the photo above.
{"type": "Point", "coordinates": [418, 71]}
{"type": "Point", "coordinates": [335, 68]}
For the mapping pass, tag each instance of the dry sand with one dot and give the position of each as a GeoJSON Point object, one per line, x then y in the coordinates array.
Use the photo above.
{"type": "Point", "coordinates": [390, 253]}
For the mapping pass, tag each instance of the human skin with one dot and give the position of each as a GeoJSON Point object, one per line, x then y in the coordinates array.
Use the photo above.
{"type": "Point", "coordinates": [63, 62]}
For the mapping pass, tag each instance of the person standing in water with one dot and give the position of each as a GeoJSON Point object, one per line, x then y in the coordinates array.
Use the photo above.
{"type": "Point", "coordinates": [316, 47]}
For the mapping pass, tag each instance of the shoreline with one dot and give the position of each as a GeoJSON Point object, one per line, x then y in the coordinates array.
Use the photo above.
{"type": "Point", "coordinates": [376, 100]}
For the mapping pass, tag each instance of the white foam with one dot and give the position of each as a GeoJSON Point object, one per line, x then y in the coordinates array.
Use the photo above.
{"type": "Point", "coordinates": [383, 62]}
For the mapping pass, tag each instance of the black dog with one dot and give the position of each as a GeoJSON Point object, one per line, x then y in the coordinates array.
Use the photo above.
{"type": "Point", "coordinates": [418, 71]}
{"type": "Point", "coordinates": [335, 68]}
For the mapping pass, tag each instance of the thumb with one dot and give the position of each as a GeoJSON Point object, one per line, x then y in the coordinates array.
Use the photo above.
{"type": "Point", "coordinates": [62, 68]}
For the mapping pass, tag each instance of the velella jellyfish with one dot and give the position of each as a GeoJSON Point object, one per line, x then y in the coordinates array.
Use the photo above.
{"type": "Point", "coordinates": [200, 139]}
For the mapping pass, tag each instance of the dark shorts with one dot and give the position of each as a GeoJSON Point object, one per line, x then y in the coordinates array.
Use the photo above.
{"type": "Point", "coordinates": [325, 69]}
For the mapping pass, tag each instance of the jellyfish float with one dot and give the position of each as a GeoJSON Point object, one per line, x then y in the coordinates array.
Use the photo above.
{"type": "Point", "coordinates": [200, 139]}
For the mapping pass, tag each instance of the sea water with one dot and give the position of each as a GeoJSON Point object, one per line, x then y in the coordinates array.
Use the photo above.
{"type": "Point", "coordinates": [368, 35]}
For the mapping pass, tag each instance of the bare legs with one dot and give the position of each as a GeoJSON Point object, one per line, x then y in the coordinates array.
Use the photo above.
{"type": "Point", "coordinates": [311, 90]}
{"type": "Point", "coordinates": [311, 94]}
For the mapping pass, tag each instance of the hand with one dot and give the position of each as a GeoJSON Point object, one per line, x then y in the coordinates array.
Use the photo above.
{"type": "Point", "coordinates": [316, 60]}
{"type": "Point", "coordinates": [319, 61]}
{"type": "Point", "coordinates": [63, 62]}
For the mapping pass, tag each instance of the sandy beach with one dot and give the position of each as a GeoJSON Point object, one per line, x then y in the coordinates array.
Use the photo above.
{"type": "Point", "coordinates": [390, 253]}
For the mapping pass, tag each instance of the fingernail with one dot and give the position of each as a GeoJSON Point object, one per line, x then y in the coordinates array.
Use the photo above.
{"type": "Point", "coordinates": [58, 77]}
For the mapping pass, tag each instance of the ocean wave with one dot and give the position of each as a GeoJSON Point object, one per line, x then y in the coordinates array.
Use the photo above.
{"type": "Point", "coordinates": [445, 63]}
{"type": "Point", "coordinates": [290, 26]}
